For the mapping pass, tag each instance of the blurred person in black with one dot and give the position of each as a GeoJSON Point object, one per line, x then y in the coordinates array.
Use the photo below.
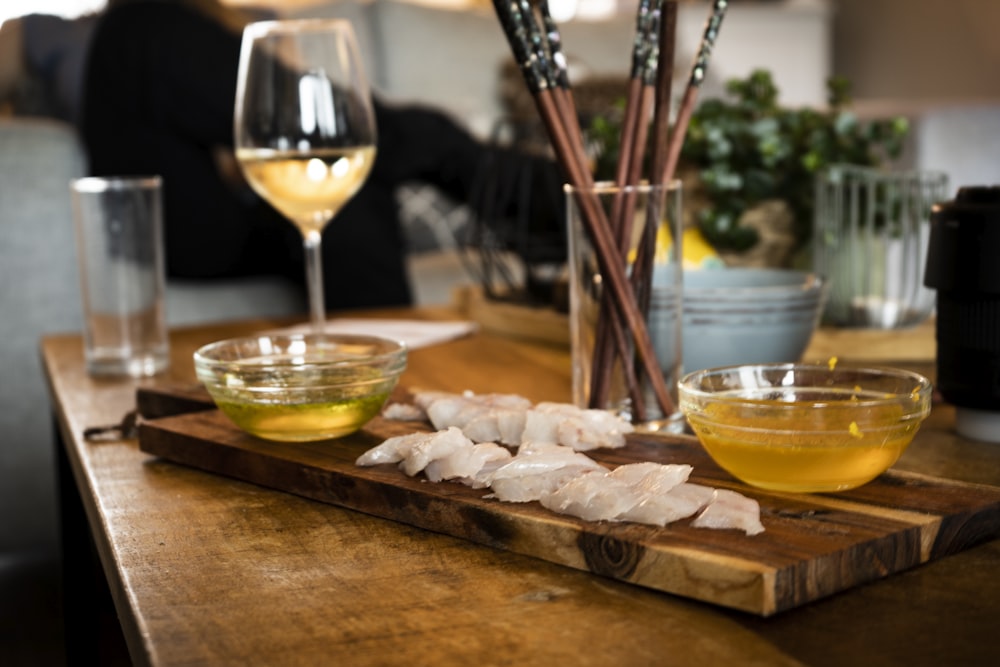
{"type": "Point", "coordinates": [158, 99]}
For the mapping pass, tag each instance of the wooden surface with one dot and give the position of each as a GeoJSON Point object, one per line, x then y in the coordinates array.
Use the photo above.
{"type": "Point", "coordinates": [813, 546]}
{"type": "Point", "coordinates": [207, 570]}
{"type": "Point", "coordinates": [542, 324]}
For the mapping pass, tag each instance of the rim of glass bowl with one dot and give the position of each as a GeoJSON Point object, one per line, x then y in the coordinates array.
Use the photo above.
{"type": "Point", "coordinates": [392, 353]}
{"type": "Point", "coordinates": [920, 395]}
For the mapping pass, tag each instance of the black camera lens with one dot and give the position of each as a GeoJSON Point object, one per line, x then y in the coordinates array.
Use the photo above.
{"type": "Point", "coordinates": [963, 265]}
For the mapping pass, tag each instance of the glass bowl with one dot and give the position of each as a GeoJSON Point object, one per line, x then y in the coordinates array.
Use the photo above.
{"type": "Point", "coordinates": [301, 387]}
{"type": "Point", "coordinates": [801, 428]}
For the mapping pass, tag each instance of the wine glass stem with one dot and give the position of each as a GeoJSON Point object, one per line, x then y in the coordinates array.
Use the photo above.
{"type": "Point", "coordinates": [314, 279]}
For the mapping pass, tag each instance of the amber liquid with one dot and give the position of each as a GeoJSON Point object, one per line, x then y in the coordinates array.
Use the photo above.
{"type": "Point", "coordinates": [805, 449]}
{"type": "Point", "coordinates": [307, 187]}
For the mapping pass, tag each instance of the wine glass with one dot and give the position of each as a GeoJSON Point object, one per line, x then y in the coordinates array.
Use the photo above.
{"type": "Point", "coordinates": [304, 127]}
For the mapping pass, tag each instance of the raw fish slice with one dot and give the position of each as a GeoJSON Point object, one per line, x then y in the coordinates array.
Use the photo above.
{"type": "Point", "coordinates": [593, 496]}
{"type": "Point", "coordinates": [544, 457]}
{"type": "Point", "coordinates": [511, 426]}
{"type": "Point", "coordinates": [540, 427]}
{"type": "Point", "coordinates": [392, 450]}
{"type": "Point", "coordinates": [592, 429]}
{"type": "Point", "coordinates": [453, 411]}
{"type": "Point", "coordinates": [697, 493]}
{"type": "Point", "coordinates": [466, 462]}
{"type": "Point", "coordinates": [423, 399]}
{"type": "Point", "coordinates": [525, 488]}
{"type": "Point", "coordinates": [460, 409]}
{"type": "Point", "coordinates": [438, 445]}
{"type": "Point", "coordinates": [579, 428]}
{"type": "Point", "coordinates": [482, 428]}
{"type": "Point", "coordinates": [653, 478]}
{"type": "Point", "coordinates": [659, 509]}
{"type": "Point", "coordinates": [501, 401]}
{"type": "Point", "coordinates": [541, 447]}
{"type": "Point", "coordinates": [403, 412]}
{"type": "Point", "coordinates": [729, 509]}
{"type": "Point", "coordinates": [496, 425]}
{"type": "Point", "coordinates": [539, 468]}
{"type": "Point", "coordinates": [557, 408]}
{"type": "Point", "coordinates": [482, 478]}
{"type": "Point", "coordinates": [599, 419]}
{"type": "Point", "coordinates": [681, 501]}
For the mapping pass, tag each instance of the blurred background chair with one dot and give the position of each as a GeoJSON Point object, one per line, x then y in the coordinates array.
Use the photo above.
{"type": "Point", "coordinates": [40, 294]}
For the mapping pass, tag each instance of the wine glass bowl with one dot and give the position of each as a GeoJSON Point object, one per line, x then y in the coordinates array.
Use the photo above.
{"type": "Point", "coordinates": [304, 127]}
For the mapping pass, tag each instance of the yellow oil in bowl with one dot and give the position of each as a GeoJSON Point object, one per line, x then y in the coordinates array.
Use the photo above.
{"type": "Point", "coordinates": [301, 387]}
{"type": "Point", "coordinates": [806, 450]}
{"type": "Point", "coordinates": [797, 428]}
{"type": "Point", "coordinates": [302, 422]}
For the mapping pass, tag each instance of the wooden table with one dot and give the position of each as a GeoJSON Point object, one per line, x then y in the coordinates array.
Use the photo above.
{"type": "Point", "coordinates": [205, 570]}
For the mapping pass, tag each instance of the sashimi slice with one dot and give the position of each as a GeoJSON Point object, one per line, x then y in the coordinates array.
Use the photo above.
{"type": "Point", "coordinates": [438, 445]}
{"type": "Point", "coordinates": [696, 493]}
{"type": "Point", "coordinates": [423, 399]}
{"type": "Point", "coordinates": [403, 412]}
{"type": "Point", "coordinates": [729, 509]}
{"type": "Point", "coordinates": [593, 496]}
{"type": "Point", "coordinates": [534, 486]}
{"type": "Point", "coordinates": [501, 401]}
{"type": "Point", "coordinates": [460, 409]}
{"type": "Point", "coordinates": [651, 477]}
{"type": "Point", "coordinates": [586, 429]}
{"type": "Point", "coordinates": [659, 509]}
{"type": "Point", "coordinates": [537, 458]}
{"type": "Point", "coordinates": [482, 478]}
{"type": "Point", "coordinates": [501, 425]}
{"type": "Point", "coordinates": [579, 428]}
{"type": "Point", "coordinates": [392, 450]}
{"type": "Point", "coordinates": [539, 469]}
{"type": "Point", "coordinates": [540, 427]}
{"type": "Point", "coordinates": [466, 463]}
{"type": "Point", "coordinates": [453, 411]}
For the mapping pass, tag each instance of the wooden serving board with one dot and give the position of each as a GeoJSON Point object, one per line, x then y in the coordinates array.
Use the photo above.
{"type": "Point", "coordinates": [814, 545]}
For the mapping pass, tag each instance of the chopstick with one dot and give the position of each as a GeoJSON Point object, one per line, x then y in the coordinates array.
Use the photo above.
{"type": "Point", "coordinates": [665, 158]}
{"type": "Point", "coordinates": [690, 98]}
{"type": "Point", "coordinates": [642, 270]}
{"type": "Point", "coordinates": [543, 67]}
{"type": "Point", "coordinates": [664, 84]}
{"type": "Point", "coordinates": [633, 139]}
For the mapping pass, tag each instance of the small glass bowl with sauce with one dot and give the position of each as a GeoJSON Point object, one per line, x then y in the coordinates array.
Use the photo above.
{"type": "Point", "coordinates": [301, 387]}
{"type": "Point", "coordinates": [803, 428]}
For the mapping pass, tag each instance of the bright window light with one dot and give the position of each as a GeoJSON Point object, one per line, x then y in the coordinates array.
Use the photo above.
{"type": "Point", "coordinates": [68, 8]}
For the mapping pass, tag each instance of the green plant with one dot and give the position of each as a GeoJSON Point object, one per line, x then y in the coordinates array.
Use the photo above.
{"type": "Point", "coordinates": [747, 149]}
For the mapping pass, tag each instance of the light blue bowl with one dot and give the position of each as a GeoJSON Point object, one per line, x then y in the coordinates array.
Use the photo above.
{"type": "Point", "coordinates": [749, 316]}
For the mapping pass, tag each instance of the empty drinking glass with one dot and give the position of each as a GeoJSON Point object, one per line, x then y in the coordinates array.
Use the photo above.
{"type": "Point", "coordinates": [870, 241]}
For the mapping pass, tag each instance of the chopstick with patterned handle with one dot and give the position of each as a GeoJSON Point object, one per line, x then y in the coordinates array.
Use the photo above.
{"type": "Point", "coordinates": [567, 142]}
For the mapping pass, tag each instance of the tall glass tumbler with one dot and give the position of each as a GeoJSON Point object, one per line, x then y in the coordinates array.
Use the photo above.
{"type": "Point", "coordinates": [870, 240]}
{"type": "Point", "coordinates": [122, 274]}
{"type": "Point", "coordinates": [647, 219]}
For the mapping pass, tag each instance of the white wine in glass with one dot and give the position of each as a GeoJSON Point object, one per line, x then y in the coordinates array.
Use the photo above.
{"type": "Point", "coordinates": [304, 127]}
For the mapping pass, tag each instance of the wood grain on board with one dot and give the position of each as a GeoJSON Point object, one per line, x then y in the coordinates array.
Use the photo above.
{"type": "Point", "coordinates": [814, 545]}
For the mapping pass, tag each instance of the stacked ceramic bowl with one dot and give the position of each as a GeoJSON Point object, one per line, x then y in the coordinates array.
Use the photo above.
{"type": "Point", "coordinates": [739, 316]}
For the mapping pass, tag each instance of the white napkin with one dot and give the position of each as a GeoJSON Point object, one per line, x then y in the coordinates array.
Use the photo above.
{"type": "Point", "coordinates": [414, 333]}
